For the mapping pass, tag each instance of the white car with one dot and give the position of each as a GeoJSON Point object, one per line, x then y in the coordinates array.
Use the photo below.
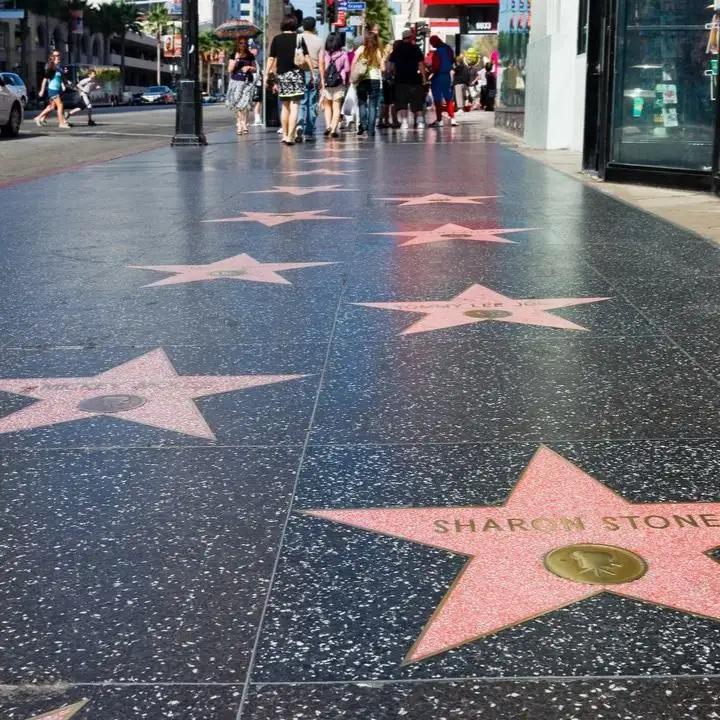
{"type": "Point", "coordinates": [11, 111]}
{"type": "Point", "coordinates": [15, 83]}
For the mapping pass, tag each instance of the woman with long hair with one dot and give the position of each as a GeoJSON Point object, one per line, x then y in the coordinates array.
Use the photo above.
{"type": "Point", "coordinates": [367, 68]}
{"type": "Point", "coordinates": [335, 67]}
{"type": "Point", "coordinates": [53, 82]}
{"type": "Point", "coordinates": [239, 98]}
{"type": "Point", "coordinates": [287, 58]}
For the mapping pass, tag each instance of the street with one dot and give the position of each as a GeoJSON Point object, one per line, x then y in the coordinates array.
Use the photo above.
{"type": "Point", "coordinates": [120, 131]}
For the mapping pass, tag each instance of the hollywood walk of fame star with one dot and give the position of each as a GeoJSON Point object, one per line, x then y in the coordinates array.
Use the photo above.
{"type": "Point", "coordinates": [451, 231]}
{"type": "Point", "coordinates": [554, 506]}
{"type": "Point", "coordinates": [145, 390]}
{"type": "Point", "coordinates": [440, 199]}
{"type": "Point", "coordinates": [299, 191]}
{"type": "Point", "coordinates": [62, 713]}
{"type": "Point", "coordinates": [321, 171]}
{"type": "Point", "coordinates": [273, 219]}
{"type": "Point", "coordinates": [239, 267]}
{"type": "Point", "coordinates": [332, 159]}
{"type": "Point", "coordinates": [481, 304]}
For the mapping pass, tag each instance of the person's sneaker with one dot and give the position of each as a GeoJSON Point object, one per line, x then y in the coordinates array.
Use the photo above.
{"type": "Point", "coordinates": [38, 122]}
{"type": "Point", "coordinates": [335, 135]}
{"type": "Point", "coordinates": [299, 136]}
{"type": "Point", "coordinates": [280, 131]}
{"type": "Point", "coordinates": [404, 125]}
{"type": "Point", "coordinates": [434, 123]}
{"type": "Point", "coordinates": [420, 125]}
{"type": "Point", "coordinates": [66, 115]}
{"type": "Point", "coordinates": [92, 123]}
{"type": "Point", "coordinates": [65, 126]}
{"type": "Point", "coordinates": [453, 122]}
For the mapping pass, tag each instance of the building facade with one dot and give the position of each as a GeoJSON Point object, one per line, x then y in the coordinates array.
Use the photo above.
{"type": "Point", "coordinates": [631, 83]}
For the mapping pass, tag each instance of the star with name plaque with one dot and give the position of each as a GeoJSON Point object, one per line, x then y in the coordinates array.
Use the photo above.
{"type": "Point", "coordinates": [560, 538]}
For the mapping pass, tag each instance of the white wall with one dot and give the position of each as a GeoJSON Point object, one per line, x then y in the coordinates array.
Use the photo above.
{"type": "Point", "coordinates": [555, 78]}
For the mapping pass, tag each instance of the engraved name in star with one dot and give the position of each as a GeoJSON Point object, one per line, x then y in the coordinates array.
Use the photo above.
{"type": "Point", "coordinates": [440, 199]}
{"type": "Point", "coordinates": [239, 267]}
{"type": "Point", "coordinates": [62, 713]}
{"type": "Point", "coordinates": [451, 231]}
{"type": "Point", "coordinates": [145, 390]}
{"type": "Point", "coordinates": [273, 219]}
{"type": "Point", "coordinates": [299, 191]}
{"type": "Point", "coordinates": [333, 159]}
{"type": "Point", "coordinates": [481, 304]}
{"type": "Point", "coordinates": [579, 548]}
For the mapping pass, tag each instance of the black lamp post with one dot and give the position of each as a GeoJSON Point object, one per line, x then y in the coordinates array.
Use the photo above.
{"type": "Point", "coordinates": [188, 112]}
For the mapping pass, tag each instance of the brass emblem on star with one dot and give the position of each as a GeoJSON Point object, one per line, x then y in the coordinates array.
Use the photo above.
{"type": "Point", "coordinates": [488, 314]}
{"type": "Point", "coordinates": [111, 403]}
{"type": "Point", "coordinates": [595, 564]}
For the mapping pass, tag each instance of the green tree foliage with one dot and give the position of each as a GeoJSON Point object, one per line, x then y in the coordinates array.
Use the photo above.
{"type": "Point", "coordinates": [155, 23]}
{"type": "Point", "coordinates": [378, 13]}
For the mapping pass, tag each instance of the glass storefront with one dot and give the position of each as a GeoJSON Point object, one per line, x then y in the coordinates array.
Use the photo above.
{"type": "Point", "coordinates": [666, 59]}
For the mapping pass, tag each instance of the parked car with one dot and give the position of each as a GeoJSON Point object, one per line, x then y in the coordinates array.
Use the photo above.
{"type": "Point", "coordinates": [16, 85]}
{"type": "Point", "coordinates": [207, 98]}
{"type": "Point", "coordinates": [11, 110]}
{"type": "Point", "coordinates": [158, 95]}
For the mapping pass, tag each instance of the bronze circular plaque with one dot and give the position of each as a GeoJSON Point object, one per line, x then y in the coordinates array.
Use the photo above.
{"type": "Point", "coordinates": [111, 403]}
{"type": "Point", "coordinates": [227, 273]}
{"type": "Point", "coordinates": [595, 564]}
{"type": "Point", "coordinates": [488, 314]}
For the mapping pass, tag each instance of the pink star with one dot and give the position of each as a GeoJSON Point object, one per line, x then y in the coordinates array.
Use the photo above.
{"type": "Point", "coordinates": [300, 191]}
{"type": "Point", "coordinates": [273, 219]}
{"type": "Point", "coordinates": [450, 231]}
{"type": "Point", "coordinates": [239, 267]}
{"type": "Point", "coordinates": [480, 304]}
{"type": "Point", "coordinates": [321, 171]}
{"type": "Point", "coordinates": [332, 159]}
{"type": "Point", "coordinates": [440, 199]}
{"type": "Point", "coordinates": [554, 506]}
{"type": "Point", "coordinates": [145, 390]}
{"type": "Point", "coordinates": [63, 713]}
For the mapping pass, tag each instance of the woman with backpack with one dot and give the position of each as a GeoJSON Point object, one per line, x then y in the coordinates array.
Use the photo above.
{"type": "Point", "coordinates": [335, 69]}
{"type": "Point", "coordinates": [366, 73]}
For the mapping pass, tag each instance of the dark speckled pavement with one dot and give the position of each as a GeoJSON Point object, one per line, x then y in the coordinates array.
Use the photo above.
{"type": "Point", "coordinates": [321, 475]}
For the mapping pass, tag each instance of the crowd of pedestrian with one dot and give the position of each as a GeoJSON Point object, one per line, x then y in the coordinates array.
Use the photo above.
{"type": "Point", "coordinates": [365, 87]}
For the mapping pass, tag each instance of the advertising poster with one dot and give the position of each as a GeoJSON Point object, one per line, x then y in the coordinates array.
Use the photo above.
{"type": "Point", "coordinates": [172, 46]}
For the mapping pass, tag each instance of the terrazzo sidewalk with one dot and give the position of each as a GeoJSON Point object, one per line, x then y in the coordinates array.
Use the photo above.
{"type": "Point", "coordinates": [415, 427]}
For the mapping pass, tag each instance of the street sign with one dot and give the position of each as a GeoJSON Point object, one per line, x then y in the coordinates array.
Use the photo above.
{"type": "Point", "coordinates": [354, 21]}
{"type": "Point", "coordinates": [12, 14]}
{"type": "Point", "coordinates": [356, 6]}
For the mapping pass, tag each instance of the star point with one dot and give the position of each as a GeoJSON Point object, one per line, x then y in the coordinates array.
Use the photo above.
{"type": "Point", "coordinates": [555, 507]}
{"type": "Point", "coordinates": [481, 304]}
{"type": "Point", "coordinates": [239, 267]}
{"type": "Point", "coordinates": [320, 171]}
{"type": "Point", "coordinates": [62, 713]}
{"type": "Point", "coordinates": [146, 390]}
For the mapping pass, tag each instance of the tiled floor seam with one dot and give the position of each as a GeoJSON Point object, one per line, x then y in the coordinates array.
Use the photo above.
{"type": "Point", "coordinates": [301, 462]}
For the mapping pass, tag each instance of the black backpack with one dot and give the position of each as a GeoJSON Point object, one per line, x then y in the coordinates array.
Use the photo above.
{"type": "Point", "coordinates": [333, 78]}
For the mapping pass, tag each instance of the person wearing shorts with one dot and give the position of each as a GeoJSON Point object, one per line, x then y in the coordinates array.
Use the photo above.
{"type": "Point", "coordinates": [335, 68]}
{"type": "Point", "coordinates": [53, 84]}
{"type": "Point", "coordinates": [408, 71]}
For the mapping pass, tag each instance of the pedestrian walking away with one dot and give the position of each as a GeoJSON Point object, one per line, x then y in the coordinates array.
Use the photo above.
{"type": "Point", "coordinates": [366, 73]}
{"type": "Point", "coordinates": [313, 81]}
{"type": "Point", "coordinates": [288, 58]}
{"type": "Point", "coordinates": [241, 90]}
{"type": "Point", "coordinates": [408, 71]}
{"type": "Point", "coordinates": [84, 88]}
{"type": "Point", "coordinates": [336, 72]}
{"type": "Point", "coordinates": [491, 84]}
{"type": "Point", "coordinates": [53, 83]}
{"type": "Point", "coordinates": [443, 60]}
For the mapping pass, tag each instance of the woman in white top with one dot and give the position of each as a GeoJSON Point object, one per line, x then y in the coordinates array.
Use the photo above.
{"type": "Point", "coordinates": [367, 72]}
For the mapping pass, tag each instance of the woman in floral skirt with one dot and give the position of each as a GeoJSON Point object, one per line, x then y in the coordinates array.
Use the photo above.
{"type": "Point", "coordinates": [239, 97]}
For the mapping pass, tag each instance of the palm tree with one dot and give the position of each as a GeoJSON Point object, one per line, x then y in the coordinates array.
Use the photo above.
{"type": "Point", "coordinates": [207, 45]}
{"type": "Point", "coordinates": [128, 20]}
{"type": "Point", "coordinates": [156, 21]}
{"type": "Point", "coordinates": [107, 22]}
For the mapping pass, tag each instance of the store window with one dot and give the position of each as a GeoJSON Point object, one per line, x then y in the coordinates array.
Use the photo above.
{"type": "Point", "coordinates": [663, 110]}
{"type": "Point", "coordinates": [583, 19]}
